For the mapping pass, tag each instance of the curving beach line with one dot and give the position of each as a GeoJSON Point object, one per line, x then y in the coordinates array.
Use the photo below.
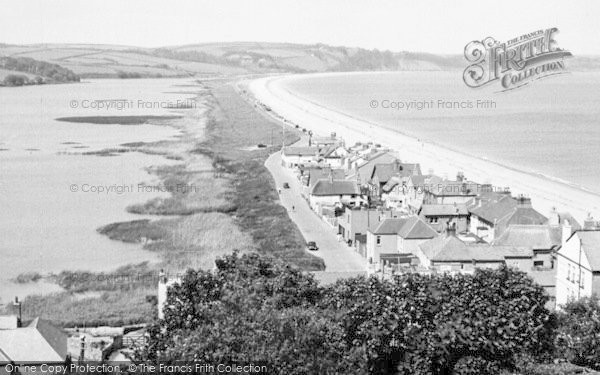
{"type": "Point", "coordinates": [545, 193]}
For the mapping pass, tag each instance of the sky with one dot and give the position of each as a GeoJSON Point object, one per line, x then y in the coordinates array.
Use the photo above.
{"type": "Point", "coordinates": [422, 26]}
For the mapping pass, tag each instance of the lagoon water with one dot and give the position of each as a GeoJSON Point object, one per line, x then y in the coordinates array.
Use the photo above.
{"type": "Point", "coordinates": [551, 127]}
{"type": "Point", "coordinates": [46, 227]}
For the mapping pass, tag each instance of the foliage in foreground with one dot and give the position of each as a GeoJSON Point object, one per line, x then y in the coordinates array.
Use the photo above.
{"type": "Point", "coordinates": [578, 334]}
{"type": "Point", "coordinates": [255, 309]}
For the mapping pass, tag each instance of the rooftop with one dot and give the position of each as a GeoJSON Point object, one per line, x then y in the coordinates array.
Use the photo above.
{"type": "Point", "coordinates": [444, 210]}
{"type": "Point", "coordinates": [449, 248]}
{"type": "Point", "coordinates": [326, 187]}
{"type": "Point", "coordinates": [407, 227]}
{"type": "Point", "coordinates": [531, 236]}
{"type": "Point", "coordinates": [37, 342]}
{"type": "Point", "coordinates": [590, 244]}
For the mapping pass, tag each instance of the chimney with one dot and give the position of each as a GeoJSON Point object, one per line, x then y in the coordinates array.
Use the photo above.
{"type": "Point", "coordinates": [523, 201]}
{"type": "Point", "coordinates": [553, 218]}
{"type": "Point", "coordinates": [162, 293]}
{"type": "Point", "coordinates": [331, 176]}
{"type": "Point", "coordinates": [566, 232]}
{"type": "Point", "coordinates": [17, 306]}
{"type": "Point", "coordinates": [589, 223]}
{"type": "Point", "coordinates": [451, 229]}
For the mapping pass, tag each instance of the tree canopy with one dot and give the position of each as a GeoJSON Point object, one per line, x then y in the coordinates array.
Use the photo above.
{"type": "Point", "coordinates": [253, 309]}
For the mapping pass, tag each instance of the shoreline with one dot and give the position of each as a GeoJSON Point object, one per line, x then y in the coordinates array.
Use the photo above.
{"type": "Point", "coordinates": [233, 207]}
{"type": "Point", "coordinates": [545, 191]}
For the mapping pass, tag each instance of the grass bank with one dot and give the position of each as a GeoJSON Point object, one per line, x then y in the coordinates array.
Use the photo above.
{"type": "Point", "coordinates": [233, 131]}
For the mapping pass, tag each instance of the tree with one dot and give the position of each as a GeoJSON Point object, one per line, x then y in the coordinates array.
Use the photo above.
{"type": "Point", "coordinates": [578, 334]}
{"type": "Point", "coordinates": [252, 308]}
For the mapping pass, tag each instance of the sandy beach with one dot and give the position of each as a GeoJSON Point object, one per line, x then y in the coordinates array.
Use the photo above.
{"type": "Point", "coordinates": [545, 193]}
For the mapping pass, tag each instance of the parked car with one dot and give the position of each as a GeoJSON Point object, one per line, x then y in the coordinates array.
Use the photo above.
{"type": "Point", "coordinates": [312, 246]}
{"type": "Point", "coordinates": [286, 185]}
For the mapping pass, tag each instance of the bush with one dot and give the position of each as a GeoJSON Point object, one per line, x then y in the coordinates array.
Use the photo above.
{"type": "Point", "coordinates": [578, 335]}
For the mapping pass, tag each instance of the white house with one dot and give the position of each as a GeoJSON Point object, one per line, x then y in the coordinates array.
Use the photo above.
{"type": "Point", "coordinates": [397, 238]}
{"type": "Point", "coordinates": [330, 192]}
{"type": "Point", "coordinates": [334, 156]}
{"type": "Point", "coordinates": [292, 157]}
{"type": "Point", "coordinates": [578, 267]}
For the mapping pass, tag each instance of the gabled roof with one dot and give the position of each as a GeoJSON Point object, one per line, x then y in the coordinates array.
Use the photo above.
{"type": "Point", "coordinates": [330, 151]}
{"type": "Point", "coordinates": [384, 172]}
{"type": "Point", "coordinates": [444, 210]}
{"type": "Point", "coordinates": [316, 174]}
{"type": "Point", "coordinates": [507, 211]}
{"type": "Point", "coordinates": [327, 187]}
{"type": "Point", "coordinates": [531, 236]}
{"type": "Point", "coordinates": [300, 151]}
{"type": "Point", "coordinates": [445, 248]}
{"type": "Point", "coordinates": [395, 169]}
{"type": "Point", "coordinates": [449, 248]}
{"type": "Point", "coordinates": [390, 226]}
{"type": "Point", "coordinates": [416, 228]}
{"type": "Point", "coordinates": [381, 157]}
{"type": "Point", "coordinates": [38, 342]}
{"type": "Point", "coordinates": [524, 216]}
{"type": "Point", "coordinates": [590, 245]}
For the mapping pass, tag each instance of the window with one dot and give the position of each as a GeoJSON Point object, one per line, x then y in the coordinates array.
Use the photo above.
{"type": "Point", "coordinates": [538, 263]}
{"type": "Point", "coordinates": [581, 279]}
{"type": "Point", "coordinates": [378, 240]}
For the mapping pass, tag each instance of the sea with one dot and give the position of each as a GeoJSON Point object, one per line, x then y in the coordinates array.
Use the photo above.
{"type": "Point", "coordinates": [53, 197]}
{"type": "Point", "coordinates": [550, 127]}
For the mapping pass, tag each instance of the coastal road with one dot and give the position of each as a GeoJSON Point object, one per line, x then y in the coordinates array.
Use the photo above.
{"type": "Point", "coordinates": [340, 260]}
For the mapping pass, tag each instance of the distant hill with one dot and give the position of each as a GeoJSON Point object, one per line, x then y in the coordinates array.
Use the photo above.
{"type": "Point", "coordinates": [19, 71]}
{"type": "Point", "coordinates": [225, 59]}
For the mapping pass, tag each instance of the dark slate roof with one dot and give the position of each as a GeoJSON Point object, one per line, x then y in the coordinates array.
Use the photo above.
{"type": "Point", "coordinates": [384, 172]}
{"type": "Point", "coordinates": [523, 215]}
{"type": "Point", "coordinates": [394, 170]}
{"type": "Point", "coordinates": [531, 236]}
{"type": "Point", "coordinates": [366, 168]}
{"type": "Point", "coordinates": [590, 244]}
{"type": "Point", "coordinates": [326, 187]}
{"type": "Point", "coordinates": [300, 151]}
{"type": "Point", "coordinates": [507, 211]}
{"type": "Point", "coordinates": [444, 209]}
{"type": "Point", "coordinates": [416, 228]}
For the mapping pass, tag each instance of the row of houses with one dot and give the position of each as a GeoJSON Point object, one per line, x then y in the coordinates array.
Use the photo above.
{"type": "Point", "coordinates": [402, 220]}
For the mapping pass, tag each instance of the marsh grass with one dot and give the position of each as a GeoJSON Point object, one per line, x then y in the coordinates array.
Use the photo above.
{"type": "Point", "coordinates": [117, 308]}
{"type": "Point", "coordinates": [234, 126]}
